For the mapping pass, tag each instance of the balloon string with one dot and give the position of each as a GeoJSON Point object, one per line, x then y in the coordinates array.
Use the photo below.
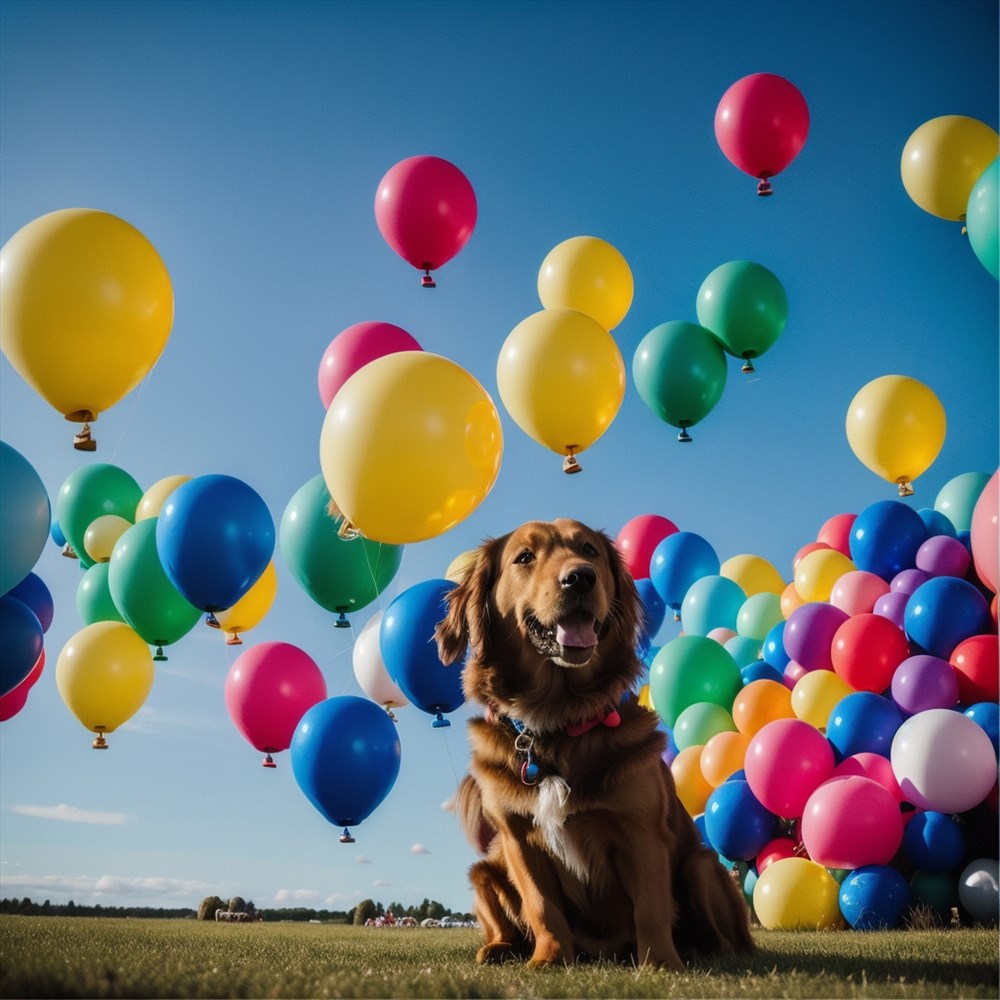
{"type": "Point", "coordinates": [131, 414]}
{"type": "Point", "coordinates": [447, 747]}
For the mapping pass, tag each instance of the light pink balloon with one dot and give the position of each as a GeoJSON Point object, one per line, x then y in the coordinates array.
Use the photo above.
{"type": "Point", "coordinates": [984, 535]}
{"type": "Point", "coordinates": [857, 591]}
{"type": "Point", "coordinates": [785, 761]}
{"type": "Point", "coordinates": [354, 348]}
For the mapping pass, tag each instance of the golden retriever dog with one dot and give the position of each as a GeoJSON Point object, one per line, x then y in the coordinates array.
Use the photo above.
{"type": "Point", "coordinates": [588, 851]}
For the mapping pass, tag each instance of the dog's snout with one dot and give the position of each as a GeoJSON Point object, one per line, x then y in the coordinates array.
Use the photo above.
{"type": "Point", "coordinates": [580, 578]}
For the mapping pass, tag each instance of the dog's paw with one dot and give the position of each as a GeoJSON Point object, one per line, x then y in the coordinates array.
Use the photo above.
{"type": "Point", "coordinates": [548, 951]}
{"type": "Point", "coordinates": [498, 953]}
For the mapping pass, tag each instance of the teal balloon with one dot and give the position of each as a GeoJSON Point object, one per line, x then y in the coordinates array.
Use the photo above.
{"type": "Point", "coordinates": [744, 650]}
{"type": "Point", "coordinates": [142, 591]}
{"type": "Point", "coordinates": [94, 602]}
{"type": "Point", "coordinates": [87, 494]}
{"type": "Point", "coordinates": [745, 306]}
{"type": "Point", "coordinates": [25, 517]}
{"type": "Point", "coordinates": [679, 370]}
{"type": "Point", "coordinates": [957, 498]}
{"type": "Point", "coordinates": [340, 575]}
{"type": "Point", "coordinates": [711, 602]}
{"type": "Point", "coordinates": [692, 669]}
{"type": "Point", "coordinates": [981, 218]}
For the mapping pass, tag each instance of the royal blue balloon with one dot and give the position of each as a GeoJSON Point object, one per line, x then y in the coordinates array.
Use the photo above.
{"type": "Point", "coordinates": [773, 649]}
{"type": "Point", "coordinates": [345, 756]}
{"type": "Point", "coordinates": [986, 715]}
{"type": "Point", "coordinates": [25, 517]}
{"type": "Point", "coordinates": [885, 538]}
{"type": "Point", "coordinates": [736, 823]}
{"type": "Point", "coordinates": [653, 611]}
{"type": "Point", "coordinates": [215, 537]}
{"type": "Point", "coordinates": [679, 560]}
{"type": "Point", "coordinates": [933, 842]}
{"type": "Point", "coordinates": [760, 670]}
{"type": "Point", "coordinates": [409, 651]}
{"type": "Point", "coordinates": [942, 612]}
{"type": "Point", "coordinates": [33, 592]}
{"type": "Point", "coordinates": [863, 722]}
{"type": "Point", "coordinates": [57, 536]}
{"type": "Point", "coordinates": [936, 522]}
{"type": "Point", "coordinates": [874, 897]}
{"type": "Point", "coordinates": [22, 642]}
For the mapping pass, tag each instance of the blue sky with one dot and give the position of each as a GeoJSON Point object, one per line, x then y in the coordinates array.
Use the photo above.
{"type": "Point", "coordinates": [246, 140]}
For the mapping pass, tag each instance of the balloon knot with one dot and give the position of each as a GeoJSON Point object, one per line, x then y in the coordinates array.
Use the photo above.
{"type": "Point", "coordinates": [748, 368]}
{"type": "Point", "coordinates": [764, 188]}
{"type": "Point", "coordinates": [341, 621]}
{"type": "Point", "coordinates": [233, 639]}
{"type": "Point", "coordinates": [570, 463]}
{"type": "Point", "coordinates": [100, 743]}
{"type": "Point", "coordinates": [427, 281]}
{"type": "Point", "coordinates": [69, 552]}
{"type": "Point", "coordinates": [440, 722]}
{"type": "Point", "coordinates": [388, 711]}
{"type": "Point", "coordinates": [82, 441]}
{"type": "Point", "coordinates": [345, 837]}
{"type": "Point", "coordinates": [684, 436]}
{"type": "Point", "coordinates": [347, 531]}
{"type": "Point", "coordinates": [268, 761]}
{"type": "Point", "coordinates": [211, 621]}
{"type": "Point", "coordinates": [905, 489]}
{"type": "Point", "coordinates": [160, 656]}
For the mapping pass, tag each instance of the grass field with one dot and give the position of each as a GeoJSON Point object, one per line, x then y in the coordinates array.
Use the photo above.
{"type": "Point", "coordinates": [95, 957]}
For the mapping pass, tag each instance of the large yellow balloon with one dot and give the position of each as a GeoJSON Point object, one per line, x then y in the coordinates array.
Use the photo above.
{"type": "Point", "coordinates": [754, 574]}
{"type": "Point", "coordinates": [86, 307]}
{"type": "Point", "coordinates": [587, 274]}
{"type": "Point", "coordinates": [251, 608]}
{"type": "Point", "coordinates": [410, 447]}
{"type": "Point", "coordinates": [562, 379]}
{"type": "Point", "coordinates": [815, 696]}
{"type": "Point", "coordinates": [153, 499]}
{"type": "Point", "coordinates": [817, 572]}
{"type": "Point", "coordinates": [797, 894]}
{"type": "Point", "coordinates": [104, 674]}
{"type": "Point", "coordinates": [943, 159]}
{"type": "Point", "coordinates": [896, 427]}
{"type": "Point", "coordinates": [102, 533]}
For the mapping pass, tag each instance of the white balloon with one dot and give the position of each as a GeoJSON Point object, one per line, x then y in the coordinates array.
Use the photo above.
{"type": "Point", "coordinates": [979, 889]}
{"type": "Point", "coordinates": [370, 670]}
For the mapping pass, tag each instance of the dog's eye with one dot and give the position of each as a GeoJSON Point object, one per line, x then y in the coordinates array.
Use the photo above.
{"type": "Point", "coordinates": [589, 550]}
{"type": "Point", "coordinates": [524, 557]}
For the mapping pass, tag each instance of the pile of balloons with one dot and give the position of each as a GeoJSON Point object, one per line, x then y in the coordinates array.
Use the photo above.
{"type": "Point", "coordinates": [836, 736]}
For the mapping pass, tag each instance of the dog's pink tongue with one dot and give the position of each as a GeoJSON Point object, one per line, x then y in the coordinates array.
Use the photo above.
{"type": "Point", "coordinates": [579, 634]}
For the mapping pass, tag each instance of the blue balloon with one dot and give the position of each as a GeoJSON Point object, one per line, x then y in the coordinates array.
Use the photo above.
{"type": "Point", "coordinates": [760, 670]}
{"type": "Point", "coordinates": [773, 649]}
{"type": "Point", "coordinates": [885, 538]}
{"type": "Point", "coordinates": [874, 897]}
{"type": "Point", "coordinates": [653, 611]}
{"type": "Point", "coordinates": [936, 522]}
{"type": "Point", "coordinates": [677, 561]}
{"type": "Point", "coordinates": [863, 722]}
{"type": "Point", "coordinates": [986, 715]}
{"type": "Point", "coordinates": [933, 842]}
{"type": "Point", "coordinates": [942, 612]}
{"type": "Point", "coordinates": [22, 642]}
{"type": "Point", "coordinates": [409, 651]}
{"type": "Point", "coordinates": [25, 517]}
{"type": "Point", "coordinates": [56, 533]}
{"type": "Point", "coordinates": [736, 823]}
{"type": "Point", "coordinates": [33, 592]}
{"type": "Point", "coordinates": [215, 537]}
{"type": "Point", "coordinates": [345, 756]}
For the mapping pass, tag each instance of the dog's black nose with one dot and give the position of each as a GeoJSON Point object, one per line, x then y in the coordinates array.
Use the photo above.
{"type": "Point", "coordinates": [580, 578]}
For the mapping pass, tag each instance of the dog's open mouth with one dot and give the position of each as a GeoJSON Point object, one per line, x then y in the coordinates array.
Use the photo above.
{"type": "Point", "coordinates": [570, 641]}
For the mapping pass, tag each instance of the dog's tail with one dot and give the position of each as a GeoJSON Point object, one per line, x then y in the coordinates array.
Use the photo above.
{"type": "Point", "coordinates": [469, 806]}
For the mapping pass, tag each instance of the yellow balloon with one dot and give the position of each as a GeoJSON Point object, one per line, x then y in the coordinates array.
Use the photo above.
{"type": "Point", "coordinates": [153, 499]}
{"type": "Point", "coordinates": [797, 894]}
{"type": "Point", "coordinates": [104, 674]}
{"type": "Point", "coordinates": [102, 533]}
{"type": "Point", "coordinates": [645, 698]}
{"type": "Point", "coordinates": [410, 447]}
{"type": "Point", "coordinates": [86, 307]}
{"type": "Point", "coordinates": [562, 379]}
{"type": "Point", "coordinates": [896, 427]}
{"type": "Point", "coordinates": [692, 786]}
{"type": "Point", "coordinates": [817, 572]}
{"type": "Point", "coordinates": [459, 565]}
{"type": "Point", "coordinates": [587, 274]}
{"type": "Point", "coordinates": [754, 575]}
{"type": "Point", "coordinates": [251, 608]}
{"type": "Point", "coordinates": [943, 159]}
{"type": "Point", "coordinates": [815, 696]}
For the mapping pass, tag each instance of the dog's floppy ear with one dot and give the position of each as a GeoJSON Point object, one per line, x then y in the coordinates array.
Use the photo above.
{"type": "Point", "coordinates": [468, 607]}
{"type": "Point", "coordinates": [628, 608]}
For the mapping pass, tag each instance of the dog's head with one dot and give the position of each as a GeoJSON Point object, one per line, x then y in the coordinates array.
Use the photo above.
{"type": "Point", "coordinates": [549, 615]}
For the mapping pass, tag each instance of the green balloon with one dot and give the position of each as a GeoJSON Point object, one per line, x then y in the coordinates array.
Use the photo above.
{"type": "Point", "coordinates": [981, 218]}
{"type": "Point", "coordinates": [142, 591]}
{"type": "Point", "coordinates": [699, 722]}
{"type": "Point", "coordinates": [87, 494]}
{"type": "Point", "coordinates": [692, 669]}
{"type": "Point", "coordinates": [758, 615]}
{"type": "Point", "coordinates": [339, 574]}
{"type": "Point", "coordinates": [957, 498]}
{"type": "Point", "coordinates": [745, 306]}
{"type": "Point", "coordinates": [93, 597]}
{"type": "Point", "coordinates": [679, 370]}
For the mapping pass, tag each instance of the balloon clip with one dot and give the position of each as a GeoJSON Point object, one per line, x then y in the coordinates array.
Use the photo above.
{"type": "Point", "coordinates": [69, 552]}
{"type": "Point", "coordinates": [677, 615]}
{"type": "Point", "coordinates": [427, 281]}
{"type": "Point", "coordinates": [764, 188]}
{"type": "Point", "coordinates": [570, 463]}
{"type": "Point", "coordinates": [233, 639]}
{"type": "Point", "coordinates": [906, 489]}
{"type": "Point", "coordinates": [388, 711]}
{"type": "Point", "coordinates": [160, 656]}
{"type": "Point", "coordinates": [341, 621]}
{"type": "Point", "coordinates": [965, 230]}
{"type": "Point", "coordinates": [211, 621]}
{"type": "Point", "coordinates": [345, 837]}
{"type": "Point", "coordinates": [83, 441]}
{"type": "Point", "coordinates": [440, 722]}
{"type": "Point", "coordinates": [268, 761]}
{"type": "Point", "coordinates": [684, 436]}
{"type": "Point", "coordinates": [748, 368]}
{"type": "Point", "coordinates": [100, 743]}
{"type": "Point", "coordinates": [347, 531]}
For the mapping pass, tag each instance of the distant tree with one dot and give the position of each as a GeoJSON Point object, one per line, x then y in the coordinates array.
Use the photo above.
{"type": "Point", "coordinates": [208, 906]}
{"type": "Point", "coordinates": [365, 910]}
{"type": "Point", "coordinates": [436, 910]}
{"type": "Point", "coordinates": [250, 908]}
{"type": "Point", "coordinates": [237, 904]}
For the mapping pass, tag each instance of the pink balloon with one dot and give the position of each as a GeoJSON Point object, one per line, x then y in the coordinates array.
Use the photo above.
{"type": "Point", "coordinates": [639, 537]}
{"type": "Point", "coordinates": [761, 124]}
{"type": "Point", "coordinates": [268, 689]}
{"type": "Point", "coordinates": [874, 766]}
{"type": "Point", "coordinates": [426, 211]}
{"type": "Point", "coordinates": [805, 550]}
{"type": "Point", "coordinates": [836, 533]}
{"type": "Point", "coordinates": [785, 761]}
{"type": "Point", "coordinates": [792, 673]}
{"type": "Point", "coordinates": [942, 555]}
{"type": "Point", "coordinates": [353, 348]}
{"type": "Point", "coordinates": [923, 681]}
{"type": "Point", "coordinates": [856, 592]}
{"type": "Point", "coordinates": [851, 821]}
{"type": "Point", "coordinates": [984, 535]}
{"type": "Point", "coordinates": [809, 632]}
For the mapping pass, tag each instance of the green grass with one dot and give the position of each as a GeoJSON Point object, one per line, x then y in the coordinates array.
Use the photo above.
{"type": "Point", "coordinates": [97, 957]}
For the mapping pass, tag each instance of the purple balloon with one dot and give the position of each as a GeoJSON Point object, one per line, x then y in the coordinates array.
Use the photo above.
{"type": "Point", "coordinates": [907, 580]}
{"type": "Point", "coordinates": [892, 606]}
{"type": "Point", "coordinates": [809, 633]}
{"type": "Point", "coordinates": [943, 556]}
{"type": "Point", "coordinates": [924, 681]}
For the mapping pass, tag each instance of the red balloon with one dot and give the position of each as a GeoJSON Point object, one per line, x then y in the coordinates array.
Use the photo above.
{"type": "Point", "coordinates": [975, 663]}
{"type": "Point", "coordinates": [17, 697]}
{"type": "Point", "coordinates": [866, 650]}
{"type": "Point", "coordinates": [761, 124]}
{"type": "Point", "coordinates": [426, 210]}
{"type": "Point", "coordinates": [836, 532]}
{"type": "Point", "coordinates": [639, 537]}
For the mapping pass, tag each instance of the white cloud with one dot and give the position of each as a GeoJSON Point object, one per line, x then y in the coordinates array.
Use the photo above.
{"type": "Point", "coordinates": [362, 860]}
{"type": "Point", "coordinates": [296, 896]}
{"type": "Point", "coordinates": [110, 890]}
{"type": "Point", "coordinates": [381, 883]}
{"type": "Point", "coordinates": [448, 805]}
{"type": "Point", "coordinates": [72, 814]}
{"type": "Point", "coordinates": [419, 849]}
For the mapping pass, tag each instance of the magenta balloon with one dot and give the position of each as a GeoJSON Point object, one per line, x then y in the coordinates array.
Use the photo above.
{"type": "Point", "coordinates": [857, 591]}
{"type": "Point", "coordinates": [942, 555]}
{"type": "Point", "coordinates": [785, 761]}
{"type": "Point", "coordinates": [809, 632]}
{"type": "Point", "coordinates": [984, 535]}
{"type": "Point", "coordinates": [269, 688]}
{"type": "Point", "coordinates": [353, 348]}
{"type": "Point", "coordinates": [893, 606]}
{"type": "Point", "coordinates": [874, 766]}
{"type": "Point", "coordinates": [924, 681]}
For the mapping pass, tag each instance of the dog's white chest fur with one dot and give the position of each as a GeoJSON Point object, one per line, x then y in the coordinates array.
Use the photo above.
{"type": "Point", "coordinates": [551, 811]}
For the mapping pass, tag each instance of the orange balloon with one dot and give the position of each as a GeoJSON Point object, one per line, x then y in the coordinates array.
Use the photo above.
{"type": "Point", "coordinates": [759, 703]}
{"type": "Point", "coordinates": [692, 786]}
{"type": "Point", "coordinates": [722, 756]}
{"type": "Point", "coordinates": [790, 600]}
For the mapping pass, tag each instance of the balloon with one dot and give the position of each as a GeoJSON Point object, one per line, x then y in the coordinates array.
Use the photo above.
{"type": "Point", "coordinates": [692, 788]}
{"type": "Point", "coordinates": [638, 539]}
{"type": "Point", "coordinates": [786, 761]}
{"type": "Point", "coordinates": [957, 498]}
{"type": "Point", "coordinates": [737, 825]}
{"type": "Point", "coordinates": [942, 612]}
{"type": "Point", "coordinates": [143, 592]}
{"type": "Point", "coordinates": [14, 700]}
{"type": "Point", "coordinates": [817, 572]}
{"type": "Point", "coordinates": [653, 610]}
{"type": "Point", "coordinates": [866, 651]}
{"type": "Point", "coordinates": [711, 601]}
{"type": "Point", "coordinates": [152, 501]}
{"type": "Point", "coordinates": [893, 607]}
{"type": "Point", "coordinates": [985, 544]}
{"type": "Point", "coordinates": [699, 722]}
{"type": "Point", "coordinates": [773, 649]}
{"type": "Point", "coordinates": [835, 533]}
{"type": "Point", "coordinates": [816, 694]}
{"type": "Point", "coordinates": [986, 715]}
{"type": "Point", "coordinates": [562, 379]}
{"type": "Point", "coordinates": [874, 766]}
{"type": "Point", "coordinates": [790, 600]}
{"type": "Point", "coordinates": [754, 575]}
{"type": "Point", "coordinates": [345, 758]}
{"type": "Point", "coordinates": [460, 565]}
{"type": "Point", "coordinates": [809, 632]}
{"type": "Point", "coordinates": [761, 125]}
{"type": "Point", "coordinates": [856, 592]}
{"type": "Point", "coordinates": [943, 159]}
{"type": "Point", "coordinates": [874, 897]}
{"type": "Point", "coordinates": [981, 218]}
{"type": "Point", "coordinates": [25, 517]}
{"type": "Point", "coordinates": [33, 592]}
{"type": "Point", "coordinates": [587, 274]}
{"type": "Point", "coordinates": [104, 673]}
{"type": "Point", "coordinates": [938, 892]}
{"type": "Point", "coordinates": [369, 668]}
{"type": "Point", "coordinates": [775, 850]}
{"type": "Point", "coordinates": [690, 669]}
{"type": "Point", "coordinates": [679, 370]}
{"type": "Point", "coordinates": [921, 682]}
{"type": "Point", "coordinates": [943, 556]}
{"type": "Point", "coordinates": [934, 842]}
{"type": "Point", "coordinates": [761, 702]}
{"type": "Point", "coordinates": [886, 537]}
{"type": "Point", "coordinates": [722, 756]}
{"type": "Point", "coordinates": [251, 608]}
{"type": "Point", "coordinates": [979, 889]}
{"type": "Point", "coordinates": [975, 663]}
{"type": "Point", "coordinates": [89, 492]}
{"type": "Point", "coordinates": [677, 562]}
{"type": "Point", "coordinates": [268, 689]}
{"type": "Point", "coordinates": [354, 348]}
{"type": "Point", "coordinates": [745, 306]}
{"type": "Point", "coordinates": [758, 614]}
{"type": "Point", "coordinates": [94, 602]}
{"type": "Point", "coordinates": [406, 642]}
{"type": "Point", "coordinates": [943, 761]}
{"type": "Point", "coordinates": [863, 722]}
{"type": "Point", "coordinates": [215, 537]}
{"type": "Point", "coordinates": [412, 447]}
{"type": "Point", "coordinates": [743, 650]}
{"type": "Point", "coordinates": [100, 537]}
{"type": "Point", "coordinates": [936, 522]}
{"type": "Point", "coordinates": [425, 209]}
{"type": "Point", "coordinates": [339, 574]}
{"type": "Point", "coordinates": [797, 894]}
{"type": "Point", "coordinates": [23, 641]}
{"type": "Point", "coordinates": [896, 427]}
{"type": "Point", "coordinates": [906, 581]}
{"type": "Point", "coordinates": [86, 308]}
